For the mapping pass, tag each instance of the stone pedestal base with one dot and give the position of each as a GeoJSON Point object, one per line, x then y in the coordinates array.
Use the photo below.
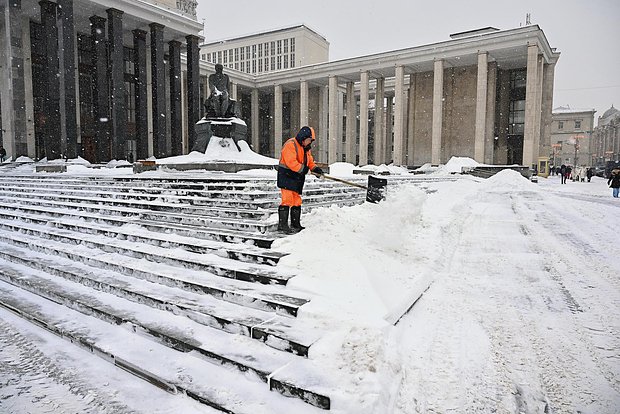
{"type": "Point", "coordinates": [219, 127]}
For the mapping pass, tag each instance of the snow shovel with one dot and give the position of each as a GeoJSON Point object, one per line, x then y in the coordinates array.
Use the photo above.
{"type": "Point", "coordinates": [375, 191]}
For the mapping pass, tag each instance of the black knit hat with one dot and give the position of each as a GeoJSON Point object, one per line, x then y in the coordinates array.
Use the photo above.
{"type": "Point", "coordinates": [305, 132]}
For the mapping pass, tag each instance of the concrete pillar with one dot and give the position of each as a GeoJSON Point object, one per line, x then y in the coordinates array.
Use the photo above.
{"type": "Point", "coordinates": [176, 125]}
{"type": "Point", "coordinates": [234, 92]}
{"type": "Point", "coordinates": [117, 84]}
{"type": "Point", "coordinates": [400, 100]}
{"type": "Point", "coordinates": [28, 87]}
{"type": "Point", "coordinates": [52, 134]}
{"type": "Point", "coordinates": [388, 128]}
{"type": "Point", "coordinates": [334, 133]}
{"type": "Point", "coordinates": [158, 80]}
{"type": "Point", "coordinates": [363, 147]}
{"type": "Point", "coordinates": [277, 118]}
{"type": "Point", "coordinates": [69, 114]}
{"type": "Point", "coordinates": [139, 64]}
{"type": "Point", "coordinates": [377, 156]}
{"type": "Point", "coordinates": [437, 112]}
{"type": "Point", "coordinates": [538, 120]}
{"type": "Point", "coordinates": [193, 88]}
{"type": "Point", "coordinates": [351, 127]}
{"type": "Point", "coordinates": [101, 108]}
{"type": "Point", "coordinates": [481, 106]}
{"type": "Point", "coordinates": [323, 147]}
{"type": "Point", "coordinates": [12, 81]}
{"type": "Point", "coordinates": [303, 103]}
{"type": "Point", "coordinates": [547, 102]}
{"type": "Point", "coordinates": [489, 137]}
{"type": "Point", "coordinates": [254, 121]}
{"type": "Point", "coordinates": [531, 93]}
{"type": "Point", "coordinates": [411, 119]}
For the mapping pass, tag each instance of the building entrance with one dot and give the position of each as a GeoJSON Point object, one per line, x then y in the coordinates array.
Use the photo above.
{"type": "Point", "coordinates": [514, 149]}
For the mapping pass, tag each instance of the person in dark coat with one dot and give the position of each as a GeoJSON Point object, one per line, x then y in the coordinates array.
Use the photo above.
{"type": "Point", "coordinates": [563, 173]}
{"type": "Point", "coordinates": [614, 182]}
{"type": "Point", "coordinates": [589, 173]}
{"type": "Point", "coordinates": [2, 154]}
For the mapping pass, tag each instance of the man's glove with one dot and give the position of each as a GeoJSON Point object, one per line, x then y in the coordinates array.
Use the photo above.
{"type": "Point", "coordinates": [305, 170]}
{"type": "Point", "coordinates": [318, 171]}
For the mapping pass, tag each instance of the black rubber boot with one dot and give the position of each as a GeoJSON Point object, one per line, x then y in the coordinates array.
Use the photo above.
{"type": "Point", "coordinates": [295, 216]}
{"type": "Point", "coordinates": [283, 220]}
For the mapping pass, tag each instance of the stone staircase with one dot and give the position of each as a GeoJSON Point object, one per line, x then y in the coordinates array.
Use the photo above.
{"type": "Point", "coordinates": [171, 279]}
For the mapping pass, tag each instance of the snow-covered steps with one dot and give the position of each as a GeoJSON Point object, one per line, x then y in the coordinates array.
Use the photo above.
{"type": "Point", "coordinates": [58, 211]}
{"type": "Point", "coordinates": [235, 251]}
{"type": "Point", "coordinates": [190, 372]}
{"type": "Point", "coordinates": [278, 331]}
{"type": "Point", "coordinates": [258, 296]}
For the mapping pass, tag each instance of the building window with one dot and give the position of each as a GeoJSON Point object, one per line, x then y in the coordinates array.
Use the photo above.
{"type": "Point", "coordinates": [208, 57]}
{"type": "Point", "coordinates": [260, 65]}
{"type": "Point", "coordinates": [578, 124]}
{"type": "Point", "coordinates": [253, 51]}
{"type": "Point", "coordinates": [560, 124]}
{"type": "Point", "coordinates": [279, 62]}
{"type": "Point", "coordinates": [242, 53]}
{"type": "Point", "coordinates": [260, 50]}
{"type": "Point", "coordinates": [266, 48]}
{"type": "Point", "coordinates": [266, 64]}
{"type": "Point", "coordinates": [292, 44]}
{"type": "Point", "coordinates": [203, 56]}
{"type": "Point", "coordinates": [219, 57]}
{"type": "Point", "coordinates": [285, 46]}
{"type": "Point", "coordinates": [285, 61]}
{"type": "Point", "coordinates": [236, 54]}
{"type": "Point", "coordinates": [247, 53]}
{"type": "Point", "coordinates": [230, 55]}
{"type": "Point", "coordinates": [516, 117]}
{"type": "Point", "coordinates": [247, 67]}
{"type": "Point", "coordinates": [292, 60]}
{"type": "Point", "coordinates": [254, 66]}
{"type": "Point", "coordinates": [279, 47]}
{"type": "Point", "coordinates": [242, 66]}
{"type": "Point", "coordinates": [225, 57]}
{"type": "Point", "coordinates": [236, 65]}
{"type": "Point", "coordinates": [273, 63]}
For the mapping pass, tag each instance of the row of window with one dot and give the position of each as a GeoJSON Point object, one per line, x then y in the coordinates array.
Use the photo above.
{"type": "Point", "coordinates": [577, 124]}
{"type": "Point", "coordinates": [261, 57]}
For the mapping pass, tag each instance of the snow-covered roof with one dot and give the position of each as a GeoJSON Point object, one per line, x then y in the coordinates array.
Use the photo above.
{"type": "Point", "coordinates": [568, 110]}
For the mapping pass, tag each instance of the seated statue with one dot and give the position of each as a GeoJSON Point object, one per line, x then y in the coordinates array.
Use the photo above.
{"type": "Point", "coordinates": [219, 105]}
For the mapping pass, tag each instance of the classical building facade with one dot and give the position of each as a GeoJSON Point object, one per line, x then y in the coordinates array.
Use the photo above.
{"type": "Point", "coordinates": [571, 136]}
{"type": "Point", "coordinates": [606, 137]}
{"type": "Point", "coordinates": [100, 79]}
{"type": "Point", "coordinates": [268, 51]}
{"type": "Point", "coordinates": [123, 79]}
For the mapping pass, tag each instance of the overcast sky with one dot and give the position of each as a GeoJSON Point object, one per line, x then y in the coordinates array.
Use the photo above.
{"type": "Point", "coordinates": [587, 33]}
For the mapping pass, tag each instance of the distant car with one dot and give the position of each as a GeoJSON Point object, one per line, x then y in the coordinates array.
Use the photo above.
{"type": "Point", "coordinates": [599, 171]}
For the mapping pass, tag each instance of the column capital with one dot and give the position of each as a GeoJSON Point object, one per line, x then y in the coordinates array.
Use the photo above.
{"type": "Point", "coordinates": [115, 12]}
{"type": "Point", "coordinates": [192, 38]}
{"type": "Point", "coordinates": [174, 43]}
{"type": "Point", "coordinates": [97, 20]}
{"type": "Point", "coordinates": [156, 27]}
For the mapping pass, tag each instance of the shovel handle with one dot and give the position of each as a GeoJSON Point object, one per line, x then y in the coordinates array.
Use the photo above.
{"type": "Point", "coordinates": [340, 180]}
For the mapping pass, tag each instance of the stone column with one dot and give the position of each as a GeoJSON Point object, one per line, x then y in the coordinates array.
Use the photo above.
{"type": "Point", "coordinates": [334, 135]}
{"type": "Point", "coordinates": [547, 102]}
{"type": "Point", "coordinates": [100, 89]}
{"type": "Point", "coordinates": [277, 119]}
{"type": "Point", "coordinates": [481, 106]}
{"type": "Point", "coordinates": [12, 80]}
{"type": "Point", "coordinates": [411, 119]}
{"type": "Point", "coordinates": [234, 91]}
{"type": "Point", "coordinates": [117, 84]}
{"type": "Point", "coordinates": [323, 140]}
{"type": "Point", "coordinates": [69, 116]}
{"type": "Point", "coordinates": [489, 137]}
{"type": "Point", "coordinates": [388, 122]}
{"type": "Point", "coordinates": [158, 87]}
{"type": "Point", "coordinates": [193, 88]}
{"type": "Point", "coordinates": [303, 103]}
{"type": "Point", "coordinates": [377, 156]}
{"type": "Point", "coordinates": [363, 149]}
{"type": "Point", "coordinates": [538, 120]}
{"type": "Point", "coordinates": [351, 127]}
{"type": "Point", "coordinates": [176, 130]}
{"type": "Point", "coordinates": [437, 112]}
{"type": "Point", "coordinates": [399, 121]}
{"type": "Point", "coordinates": [255, 121]}
{"type": "Point", "coordinates": [529, 138]}
{"type": "Point", "coordinates": [142, 128]}
{"type": "Point", "coordinates": [51, 105]}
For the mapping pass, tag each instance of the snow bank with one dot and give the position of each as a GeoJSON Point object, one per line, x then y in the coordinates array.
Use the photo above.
{"type": "Point", "coordinates": [221, 150]}
{"type": "Point", "coordinates": [456, 164]}
{"type": "Point", "coordinates": [508, 179]}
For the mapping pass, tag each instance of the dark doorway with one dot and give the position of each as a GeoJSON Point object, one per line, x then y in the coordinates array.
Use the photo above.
{"type": "Point", "coordinates": [514, 149]}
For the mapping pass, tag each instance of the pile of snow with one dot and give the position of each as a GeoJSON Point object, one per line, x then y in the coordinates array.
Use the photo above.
{"type": "Point", "coordinates": [118, 164]}
{"type": "Point", "coordinates": [456, 164]}
{"type": "Point", "coordinates": [427, 168]}
{"type": "Point", "coordinates": [221, 150]}
{"type": "Point", "coordinates": [23, 160]}
{"type": "Point", "coordinates": [341, 169]}
{"type": "Point", "coordinates": [508, 179]}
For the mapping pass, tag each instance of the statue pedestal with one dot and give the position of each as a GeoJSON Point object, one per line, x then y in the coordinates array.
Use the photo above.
{"type": "Point", "coordinates": [233, 128]}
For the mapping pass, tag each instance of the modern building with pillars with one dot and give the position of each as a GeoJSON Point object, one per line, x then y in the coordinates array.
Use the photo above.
{"type": "Point", "coordinates": [101, 79]}
{"type": "Point", "coordinates": [485, 94]}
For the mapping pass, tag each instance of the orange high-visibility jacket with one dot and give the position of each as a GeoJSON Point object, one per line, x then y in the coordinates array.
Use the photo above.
{"type": "Point", "coordinates": [293, 159]}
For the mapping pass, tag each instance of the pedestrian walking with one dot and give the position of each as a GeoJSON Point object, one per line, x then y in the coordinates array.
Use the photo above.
{"type": "Point", "coordinates": [2, 154]}
{"type": "Point", "coordinates": [563, 173]}
{"type": "Point", "coordinates": [589, 173]}
{"type": "Point", "coordinates": [614, 182]}
{"type": "Point", "coordinates": [295, 162]}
